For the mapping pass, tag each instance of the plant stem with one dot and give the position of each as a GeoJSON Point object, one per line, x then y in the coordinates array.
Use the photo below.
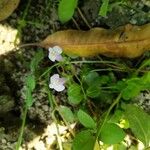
{"type": "Point", "coordinates": [50, 99]}
{"type": "Point", "coordinates": [57, 129]}
{"type": "Point", "coordinates": [67, 124]}
{"type": "Point", "coordinates": [109, 69]}
{"type": "Point", "coordinates": [84, 19]}
{"type": "Point", "coordinates": [74, 73]}
{"type": "Point", "coordinates": [23, 18]}
{"type": "Point", "coordinates": [76, 24]}
{"type": "Point", "coordinates": [107, 114]}
{"type": "Point", "coordinates": [49, 69]}
{"type": "Point", "coordinates": [95, 62]}
{"type": "Point", "coordinates": [22, 128]}
{"type": "Point", "coordinates": [26, 45]}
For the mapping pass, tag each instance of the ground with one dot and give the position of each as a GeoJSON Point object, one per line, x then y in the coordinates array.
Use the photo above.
{"type": "Point", "coordinates": [40, 20]}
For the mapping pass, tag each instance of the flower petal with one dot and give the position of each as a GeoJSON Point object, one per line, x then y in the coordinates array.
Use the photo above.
{"type": "Point", "coordinates": [54, 77]}
{"type": "Point", "coordinates": [56, 83]}
{"type": "Point", "coordinates": [59, 88]}
{"type": "Point", "coordinates": [57, 49]}
{"type": "Point", "coordinates": [59, 58]}
{"type": "Point", "coordinates": [54, 53]}
{"type": "Point", "coordinates": [50, 49]}
{"type": "Point", "coordinates": [51, 86]}
{"type": "Point", "coordinates": [62, 80]}
{"type": "Point", "coordinates": [52, 57]}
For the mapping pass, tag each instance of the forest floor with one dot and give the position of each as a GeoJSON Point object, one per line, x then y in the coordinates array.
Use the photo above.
{"type": "Point", "coordinates": [40, 20]}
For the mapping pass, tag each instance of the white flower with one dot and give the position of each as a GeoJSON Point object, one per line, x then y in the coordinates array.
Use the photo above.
{"type": "Point", "coordinates": [55, 53]}
{"type": "Point", "coordinates": [57, 83]}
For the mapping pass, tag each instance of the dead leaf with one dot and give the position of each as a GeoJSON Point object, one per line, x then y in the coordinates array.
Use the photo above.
{"type": "Point", "coordinates": [7, 7]}
{"type": "Point", "coordinates": [126, 41]}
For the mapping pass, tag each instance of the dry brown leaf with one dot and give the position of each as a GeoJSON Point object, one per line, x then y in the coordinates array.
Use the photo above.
{"type": "Point", "coordinates": [126, 41]}
{"type": "Point", "coordinates": [7, 7]}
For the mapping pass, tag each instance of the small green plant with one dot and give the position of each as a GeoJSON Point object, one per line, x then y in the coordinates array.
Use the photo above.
{"type": "Point", "coordinates": [98, 93]}
{"type": "Point", "coordinates": [89, 85]}
{"type": "Point", "coordinates": [86, 90]}
{"type": "Point", "coordinates": [30, 84]}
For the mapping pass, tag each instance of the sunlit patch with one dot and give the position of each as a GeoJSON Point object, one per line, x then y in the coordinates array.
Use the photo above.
{"type": "Point", "coordinates": [53, 135]}
{"type": "Point", "coordinates": [7, 39]}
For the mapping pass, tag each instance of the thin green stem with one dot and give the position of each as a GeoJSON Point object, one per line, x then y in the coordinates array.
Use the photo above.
{"type": "Point", "coordinates": [23, 18]}
{"type": "Point", "coordinates": [115, 65]}
{"type": "Point", "coordinates": [95, 62]}
{"type": "Point", "coordinates": [85, 97]}
{"type": "Point", "coordinates": [107, 114]}
{"type": "Point", "coordinates": [74, 73]}
{"type": "Point", "coordinates": [57, 129]}
{"type": "Point", "coordinates": [108, 69]}
{"type": "Point", "coordinates": [140, 69]}
{"type": "Point", "coordinates": [22, 128]}
{"type": "Point", "coordinates": [68, 126]}
{"type": "Point", "coordinates": [48, 70]}
{"type": "Point", "coordinates": [50, 99]}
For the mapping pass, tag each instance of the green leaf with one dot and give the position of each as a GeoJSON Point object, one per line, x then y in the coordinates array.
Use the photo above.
{"type": "Point", "coordinates": [120, 85]}
{"type": "Point", "coordinates": [75, 95]}
{"type": "Point", "coordinates": [117, 116]}
{"type": "Point", "coordinates": [111, 134]}
{"type": "Point", "coordinates": [120, 146]}
{"type": "Point", "coordinates": [30, 82]}
{"type": "Point", "coordinates": [131, 91]}
{"type": "Point", "coordinates": [146, 79]}
{"type": "Point", "coordinates": [93, 79]}
{"type": "Point", "coordinates": [139, 123]}
{"type": "Point", "coordinates": [104, 79]}
{"type": "Point", "coordinates": [66, 113]}
{"type": "Point", "coordinates": [29, 99]}
{"type": "Point", "coordinates": [84, 140]}
{"type": "Point", "coordinates": [66, 9]}
{"type": "Point", "coordinates": [93, 91]}
{"type": "Point", "coordinates": [30, 86]}
{"type": "Point", "coordinates": [135, 85]}
{"type": "Point", "coordinates": [104, 8]}
{"type": "Point", "coordinates": [35, 61]}
{"type": "Point", "coordinates": [86, 120]}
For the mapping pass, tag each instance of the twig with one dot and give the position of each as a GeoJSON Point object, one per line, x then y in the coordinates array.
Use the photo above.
{"type": "Point", "coordinates": [76, 24]}
{"type": "Point", "coordinates": [84, 19]}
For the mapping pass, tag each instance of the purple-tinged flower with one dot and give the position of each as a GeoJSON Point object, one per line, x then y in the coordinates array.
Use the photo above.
{"type": "Point", "coordinates": [57, 83]}
{"type": "Point", "coordinates": [55, 53]}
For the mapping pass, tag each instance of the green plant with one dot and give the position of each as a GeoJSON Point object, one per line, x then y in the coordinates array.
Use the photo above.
{"type": "Point", "coordinates": [30, 83]}
{"type": "Point", "coordinates": [98, 98]}
{"type": "Point", "coordinates": [87, 89]}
